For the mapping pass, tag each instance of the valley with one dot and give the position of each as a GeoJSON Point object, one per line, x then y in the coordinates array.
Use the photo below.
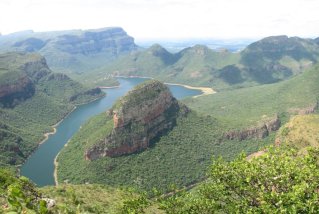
{"type": "Point", "coordinates": [40, 166]}
{"type": "Point", "coordinates": [172, 138]}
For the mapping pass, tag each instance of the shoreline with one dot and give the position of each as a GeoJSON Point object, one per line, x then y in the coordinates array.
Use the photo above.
{"type": "Point", "coordinates": [108, 87]}
{"type": "Point", "coordinates": [47, 134]}
{"type": "Point", "coordinates": [55, 172]}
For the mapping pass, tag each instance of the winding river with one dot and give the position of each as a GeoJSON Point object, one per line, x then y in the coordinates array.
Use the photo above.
{"type": "Point", "coordinates": [40, 166]}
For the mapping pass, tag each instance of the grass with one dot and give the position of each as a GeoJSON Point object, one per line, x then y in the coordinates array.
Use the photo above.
{"type": "Point", "coordinates": [300, 132]}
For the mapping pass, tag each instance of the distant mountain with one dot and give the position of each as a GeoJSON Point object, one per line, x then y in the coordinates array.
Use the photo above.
{"type": "Point", "coordinates": [193, 65]}
{"type": "Point", "coordinates": [278, 57]}
{"type": "Point", "coordinates": [266, 61]}
{"type": "Point", "coordinates": [33, 98]}
{"type": "Point", "coordinates": [72, 51]}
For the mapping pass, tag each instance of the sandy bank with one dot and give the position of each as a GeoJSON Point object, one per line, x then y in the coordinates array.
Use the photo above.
{"type": "Point", "coordinates": [108, 87]}
{"type": "Point", "coordinates": [205, 90]}
{"type": "Point", "coordinates": [55, 173]}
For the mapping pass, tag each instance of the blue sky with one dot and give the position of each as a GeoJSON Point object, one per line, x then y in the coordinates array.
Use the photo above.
{"type": "Point", "coordinates": [166, 18]}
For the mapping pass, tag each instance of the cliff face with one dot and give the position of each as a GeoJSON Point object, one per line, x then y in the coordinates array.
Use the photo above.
{"type": "Point", "coordinates": [257, 132]}
{"type": "Point", "coordinates": [143, 114]}
{"type": "Point", "coordinates": [19, 75]}
{"type": "Point", "coordinates": [21, 89]}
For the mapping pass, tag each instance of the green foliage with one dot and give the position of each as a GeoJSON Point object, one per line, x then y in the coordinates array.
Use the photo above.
{"type": "Point", "coordinates": [181, 157]}
{"type": "Point", "coordinates": [19, 195]}
{"type": "Point", "coordinates": [135, 205]}
{"type": "Point", "coordinates": [88, 198]}
{"type": "Point", "coordinates": [278, 182]}
{"type": "Point", "coordinates": [23, 125]}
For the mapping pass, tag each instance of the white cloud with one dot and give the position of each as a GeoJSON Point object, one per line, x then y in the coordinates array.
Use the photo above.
{"type": "Point", "coordinates": [166, 18]}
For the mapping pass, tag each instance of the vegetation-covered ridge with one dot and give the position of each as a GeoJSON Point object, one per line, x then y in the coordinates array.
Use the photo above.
{"type": "Point", "coordinates": [32, 99]}
{"type": "Point", "coordinates": [247, 107]}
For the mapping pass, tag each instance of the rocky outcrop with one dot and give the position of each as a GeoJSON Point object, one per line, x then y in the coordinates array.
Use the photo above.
{"type": "Point", "coordinates": [258, 132]}
{"type": "Point", "coordinates": [303, 111]}
{"type": "Point", "coordinates": [143, 114]}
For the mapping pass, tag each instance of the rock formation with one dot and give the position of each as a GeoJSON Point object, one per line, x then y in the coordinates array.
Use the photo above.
{"type": "Point", "coordinates": [257, 132]}
{"type": "Point", "coordinates": [143, 114]}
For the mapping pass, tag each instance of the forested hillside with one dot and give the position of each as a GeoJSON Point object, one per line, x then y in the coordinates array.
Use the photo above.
{"type": "Point", "coordinates": [32, 99]}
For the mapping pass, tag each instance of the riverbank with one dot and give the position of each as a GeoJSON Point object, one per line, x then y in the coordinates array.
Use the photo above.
{"type": "Point", "coordinates": [55, 173]}
{"type": "Point", "coordinates": [47, 134]}
{"type": "Point", "coordinates": [108, 87]}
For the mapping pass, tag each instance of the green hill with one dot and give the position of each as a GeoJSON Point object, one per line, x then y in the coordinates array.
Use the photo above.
{"type": "Point", "coordinates": [269, 60]}
{"type": "Point", "coordinates": [248, 106]}
{"type": "Point", "coordinates": [32, 99]}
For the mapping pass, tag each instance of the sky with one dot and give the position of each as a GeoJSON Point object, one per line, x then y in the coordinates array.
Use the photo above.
{"type": "Point", "coordinates": [154, 19]}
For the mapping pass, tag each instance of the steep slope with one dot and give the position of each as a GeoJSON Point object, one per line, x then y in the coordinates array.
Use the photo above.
{"type": "Point", "coordinates": [73, 51]}
{"type": "Point", "coordinates": [269, 60]}
{"type": "Point", "coordinates": [146, 140]}
{"type": "Point", "coordinates": [33, 98]}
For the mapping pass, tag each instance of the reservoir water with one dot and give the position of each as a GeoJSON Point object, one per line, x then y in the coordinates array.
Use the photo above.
{"type": "Point", "coordinates": [40, 166]}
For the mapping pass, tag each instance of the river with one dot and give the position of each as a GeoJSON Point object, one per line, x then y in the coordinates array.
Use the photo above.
{"type": "Point", "coordinates": [40, 166]}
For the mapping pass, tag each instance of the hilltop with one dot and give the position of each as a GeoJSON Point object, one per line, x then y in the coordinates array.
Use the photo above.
{"type": "Point", "coordinates": [32, 99]}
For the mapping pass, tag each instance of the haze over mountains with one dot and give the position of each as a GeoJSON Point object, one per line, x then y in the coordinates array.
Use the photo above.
{"type": "Point", "coordinates": [110, 51]}
{"type": "Point", "coordinates": [74, 50]}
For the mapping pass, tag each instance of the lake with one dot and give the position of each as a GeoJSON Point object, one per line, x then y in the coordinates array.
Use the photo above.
{"type": "Point", "coordinates": [40, 166]}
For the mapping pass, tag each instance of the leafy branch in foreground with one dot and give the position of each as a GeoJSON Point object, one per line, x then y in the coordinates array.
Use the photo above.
{"type": "Point", "coordinates": [19, 195]}
{"type": "Point", "coordinates": [278, 181]}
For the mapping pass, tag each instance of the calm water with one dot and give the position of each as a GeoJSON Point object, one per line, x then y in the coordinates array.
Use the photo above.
{"type": "Point", "coordinates": [39, 167]}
